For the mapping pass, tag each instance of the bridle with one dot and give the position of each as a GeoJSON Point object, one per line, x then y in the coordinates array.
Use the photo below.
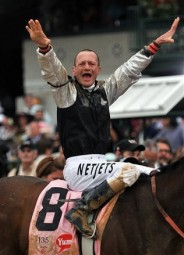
{"type": "Point", "coordinates": [160, 208]}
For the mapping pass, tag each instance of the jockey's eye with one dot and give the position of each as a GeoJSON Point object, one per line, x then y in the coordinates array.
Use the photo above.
{"type": "Point", "coordinates": [87, 63]}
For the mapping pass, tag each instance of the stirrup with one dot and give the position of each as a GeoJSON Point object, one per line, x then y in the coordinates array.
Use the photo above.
{"type": "Point", "coordinates": [93, 235]}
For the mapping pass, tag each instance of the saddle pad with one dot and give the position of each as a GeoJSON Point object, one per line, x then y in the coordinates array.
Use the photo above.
{"type": "Point", "coordinates": [102, 220]}
{"type": "Point", "coordinates": [49, 232]}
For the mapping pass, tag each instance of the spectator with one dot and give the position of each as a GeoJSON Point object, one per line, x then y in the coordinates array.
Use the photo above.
{"type": "Point", "coordinates": [7, 133]}
{"type": "Point", "coordinates": [173, 132]}
{"type": "Point", "coordinates": [40, 114]}
{"type": "Point", "coordinates": [7, 129]}
{"type": "Point", "coordinates": [126, 149]}
{"type": "Point", "coordinates": [50, 169]}
{"type": "Point", "coordinates": [164, 152]}
{"type": "Point", "coordinates": [34, 108]}
{"type": "Point", "coordinates": [45, 149]}
{"type": "Point", "coordinates": [150, 153]}
{"type": "Point", "coordinates": [34, 133]}
{"type": "Point", "coordinates": [30, 100]}
{"type": "Point", "coordinates": [151, 128]}
{"type": "Point", "coordinates": [22, 121]}
{"type": "Point", "coordinates": [45, 124]}
{"type": "Point", "coordinates": [27, 154]}
{"type": "Point", "coordinates": [114, 135]}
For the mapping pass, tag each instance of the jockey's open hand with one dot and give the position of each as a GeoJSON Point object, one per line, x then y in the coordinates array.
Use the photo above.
{"type": "Point", "coordinates": [36, 33]}
{"type": "Point", "coordinates": [167, 37]}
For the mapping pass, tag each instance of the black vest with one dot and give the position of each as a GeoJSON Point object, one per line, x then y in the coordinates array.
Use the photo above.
{"type": "Point", "coordinates": [84, 127]}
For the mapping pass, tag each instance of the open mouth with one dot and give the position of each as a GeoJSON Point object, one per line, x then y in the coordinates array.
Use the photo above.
{"type": "Point", "coordinates": [86, 76]}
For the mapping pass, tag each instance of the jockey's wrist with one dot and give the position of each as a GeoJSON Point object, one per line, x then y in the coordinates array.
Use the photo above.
{"type": "Point", "coordinates": [156, 44]}
{"type": "Point", "coordinates": [146, 52]}
{"type": "Point", "coordinates": [44, 49]}
{"type": "Point", "coordinates": [153, 47]}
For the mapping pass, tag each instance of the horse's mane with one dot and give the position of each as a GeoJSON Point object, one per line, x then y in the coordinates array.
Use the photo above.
{"type": "Point", "coordinates": [173, 166]}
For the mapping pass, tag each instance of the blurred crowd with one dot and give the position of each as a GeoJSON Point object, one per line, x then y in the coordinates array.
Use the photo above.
{"type": "Point", "coordinates": [29, 142]}
{"type": "Point", "coordinates": [28, 137]}
{"type": "Point", "coordinates": [162, 140]}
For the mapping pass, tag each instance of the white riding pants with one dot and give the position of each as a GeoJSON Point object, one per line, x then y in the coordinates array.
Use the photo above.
{"type": "Point", "coordinates": [88, 171]}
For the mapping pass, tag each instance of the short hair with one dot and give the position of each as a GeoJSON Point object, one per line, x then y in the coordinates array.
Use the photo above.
{"type": "Point", "coordinates": [89, 50]}
{"type": "Point", "coordinates": [165, 141]}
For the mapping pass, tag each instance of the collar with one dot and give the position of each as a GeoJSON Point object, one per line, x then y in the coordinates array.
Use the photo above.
{"type": "Point", "coordinates": [89, 88]}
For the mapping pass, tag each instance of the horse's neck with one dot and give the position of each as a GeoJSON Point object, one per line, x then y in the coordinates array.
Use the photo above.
{"type": "Point", "coordinates": [170, 181]}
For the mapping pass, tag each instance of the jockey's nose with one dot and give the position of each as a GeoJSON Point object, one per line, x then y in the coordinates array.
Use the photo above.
{"type": "Point", "coordinates": [87, 66]}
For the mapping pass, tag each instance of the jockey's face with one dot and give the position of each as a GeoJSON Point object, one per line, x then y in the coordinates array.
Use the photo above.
{"type": "Point", "coordinates": [86, 68]}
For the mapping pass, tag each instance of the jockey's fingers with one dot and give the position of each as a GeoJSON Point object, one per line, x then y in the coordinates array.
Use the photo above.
{"type": "Point", "coordinates": [34, 26]}
{"type": "Point", "coordinates": [174, 25]}
{"type": "Point", "coordinates": [171, 40]}
{"type": "Point", "coordinates": [28, 29]}
{"type": "Point", "coordinates": [38, 24]}
{"type": "Point", "coordinates": [173, 28]}
{"type": "Point", "coordinates": [31, 24]}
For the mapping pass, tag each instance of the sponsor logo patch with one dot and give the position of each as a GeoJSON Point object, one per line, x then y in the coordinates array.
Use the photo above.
{"type": "Point", "coordinates": [64, 242]}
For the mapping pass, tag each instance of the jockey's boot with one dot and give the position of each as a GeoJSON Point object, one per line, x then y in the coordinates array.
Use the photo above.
{"type": "Point", "coordinates": [92, 200]}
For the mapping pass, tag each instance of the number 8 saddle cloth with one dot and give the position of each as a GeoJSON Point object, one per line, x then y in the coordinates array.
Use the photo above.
{"type": "Point", "coordinates": [49, 232]}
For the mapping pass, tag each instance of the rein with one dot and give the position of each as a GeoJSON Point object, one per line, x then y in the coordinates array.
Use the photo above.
{"type": "Point", "coordinates": [160, 208]}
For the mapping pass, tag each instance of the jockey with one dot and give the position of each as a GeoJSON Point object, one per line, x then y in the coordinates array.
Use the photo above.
{"type": "Point", "coordinates": [83, 120]}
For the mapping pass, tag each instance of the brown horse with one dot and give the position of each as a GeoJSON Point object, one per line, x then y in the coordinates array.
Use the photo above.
{"type": "Point", "coordinates": [135, 227]}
